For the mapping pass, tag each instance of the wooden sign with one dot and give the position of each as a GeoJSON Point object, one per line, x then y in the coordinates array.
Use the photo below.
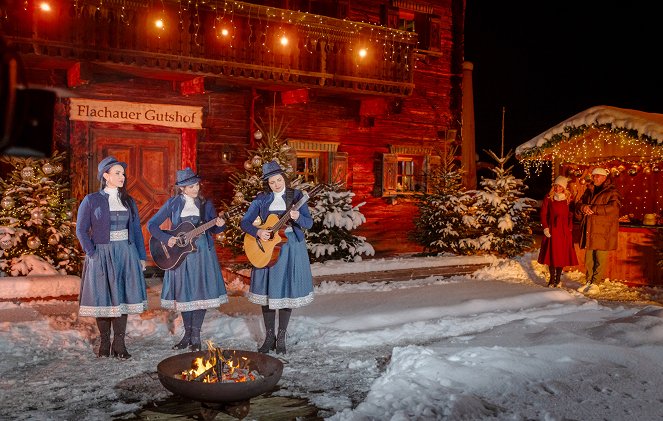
{"type": "Point", "coordinates": [180, 116]}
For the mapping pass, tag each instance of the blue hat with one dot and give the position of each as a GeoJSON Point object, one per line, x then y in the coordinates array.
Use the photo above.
{"type": "Point", "coordinates": [186, 177]}
{"type": "Point", "coordinates": [271, 169]}
{"type": "Point", "coordinates": [106, 165]}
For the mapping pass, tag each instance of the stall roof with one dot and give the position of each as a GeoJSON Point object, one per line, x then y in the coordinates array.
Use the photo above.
{"type": "Point", "coordinates": [646, 126]}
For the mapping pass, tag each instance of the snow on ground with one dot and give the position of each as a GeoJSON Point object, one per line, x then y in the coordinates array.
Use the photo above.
{"type": "Point", "coordinates": [495, 344]}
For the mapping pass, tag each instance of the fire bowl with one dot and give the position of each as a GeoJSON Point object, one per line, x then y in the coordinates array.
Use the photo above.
{"type": "Point", "coordinates": [269, 367]}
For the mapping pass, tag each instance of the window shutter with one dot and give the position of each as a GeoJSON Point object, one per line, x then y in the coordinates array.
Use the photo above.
{"type": "Point", "coordinates": [433, 163]}
{"type": "Point", "coordinates": [339, 169]}
{"type": "Point", "coordinates": [389, 173]}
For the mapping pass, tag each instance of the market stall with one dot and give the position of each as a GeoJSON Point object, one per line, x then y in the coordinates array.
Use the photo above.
{"type": "Point", "coordinates": [629, 144]}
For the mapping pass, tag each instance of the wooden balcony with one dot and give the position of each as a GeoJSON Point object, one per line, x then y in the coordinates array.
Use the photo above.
{"type": "Point", "coordinates": [236, 41]}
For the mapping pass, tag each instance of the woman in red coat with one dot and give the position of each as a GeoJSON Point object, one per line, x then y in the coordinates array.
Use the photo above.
{"type": "Point", "coordinates": [557, 219]}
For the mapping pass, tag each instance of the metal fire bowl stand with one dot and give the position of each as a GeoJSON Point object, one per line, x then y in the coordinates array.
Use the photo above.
{"type": "Point", "coordinates": [220, 393]}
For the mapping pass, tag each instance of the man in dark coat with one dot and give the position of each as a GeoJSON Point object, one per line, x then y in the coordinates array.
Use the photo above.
{"type": "Point", "coordinates": [599, 209]}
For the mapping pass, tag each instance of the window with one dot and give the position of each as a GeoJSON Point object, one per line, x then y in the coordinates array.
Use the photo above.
{"type": "Point", "coordinates": [308, 167]}
{"type": "Point", "coordinates": [319, 162]}
{"type": "Point", "coordinates": [405, 175]}
{"type": "Point", "coordinates": [406, 170]}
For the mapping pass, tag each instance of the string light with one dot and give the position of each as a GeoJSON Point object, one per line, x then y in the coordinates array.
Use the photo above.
{"type": "Point", "coordinates": [632, 159]}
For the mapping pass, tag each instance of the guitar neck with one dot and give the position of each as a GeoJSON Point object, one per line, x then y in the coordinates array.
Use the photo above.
{"type": "Point", "coordinates": [286, 216]}
{"type": "Point", "coordinates": [201, 229]}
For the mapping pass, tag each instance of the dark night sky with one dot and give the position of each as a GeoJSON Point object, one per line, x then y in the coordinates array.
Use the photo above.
{"type": "Point", "coordinates": [548, 60]}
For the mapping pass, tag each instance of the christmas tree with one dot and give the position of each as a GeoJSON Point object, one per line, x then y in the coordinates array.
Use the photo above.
{"type": "Point", "coordinates": [247, 185]}
{"type": "Point", "coordinates": [334, 217]}
{"type": "Point", "coordinates": [36, 219]}
{"type": "Point", "coordinates": [444, 221]}
{"type": "Point", "coordinates": [503, 213]}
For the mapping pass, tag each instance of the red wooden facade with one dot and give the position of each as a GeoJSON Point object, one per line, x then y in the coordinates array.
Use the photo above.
{"type": "Point", "coordinates": [382, 121]}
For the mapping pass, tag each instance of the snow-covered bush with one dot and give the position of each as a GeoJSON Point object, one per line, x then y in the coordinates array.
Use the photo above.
{"type": "Point", "coordinates": [334, 217]}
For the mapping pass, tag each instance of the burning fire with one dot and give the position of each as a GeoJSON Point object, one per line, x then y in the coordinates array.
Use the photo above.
{"type": "Point", "coordinates": [219, 367]}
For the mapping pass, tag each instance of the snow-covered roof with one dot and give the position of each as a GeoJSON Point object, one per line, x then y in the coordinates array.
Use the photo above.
{"type": "Point", "coordinates": [648, 126]}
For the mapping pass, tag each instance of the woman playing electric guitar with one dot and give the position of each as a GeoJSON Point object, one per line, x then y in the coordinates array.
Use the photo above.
{"type": "Point", "coordinates": [196, 284]}
{"type": "Point", "coordinates": [288, 283]}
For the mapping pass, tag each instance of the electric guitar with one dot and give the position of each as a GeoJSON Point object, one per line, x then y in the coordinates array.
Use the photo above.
{"type": "Point", "coordinates": [186, 234]}
{"type": "Point", "coordinates": [261, 252]}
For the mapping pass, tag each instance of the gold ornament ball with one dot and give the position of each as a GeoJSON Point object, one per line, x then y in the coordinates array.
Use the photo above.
{"type": "Point", "coordinates": [53, 240]}
{"type": "Point", "coordinates": [6, 244]}
{"type": "Point", "coordinates": [247, 165]}
{"type": "Point", "coordinates": [47, 168]}
{"type": "Point", "coordinates": [7, 202]}
{"type": "Point", "coordinates": [27, 172]}
{"type": "Point", "coordinates": [257, 135]}
{"type": "Point", "coordinates": [37, 214]}
{"type": "Point", "coordinates": [256, 161]}
{"type": "Point", "coordinates": [34, 243]}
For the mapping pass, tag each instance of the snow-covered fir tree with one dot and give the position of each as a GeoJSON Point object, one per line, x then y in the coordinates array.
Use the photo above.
{"type": "Point", "coordinates": [443, 220]}
{"type": "Point", "coordinates": [502, 212]}
{"type": "Point", "coordinates": [247, 184]}
{"type": "Point", "coordinates": [334, 217]}
{"type": "Point", "coordinates": [36, 219]}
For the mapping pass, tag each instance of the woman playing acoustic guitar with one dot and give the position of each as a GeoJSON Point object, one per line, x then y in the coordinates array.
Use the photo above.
{"type": "Point", "coordinates": [196, 284]}
{"type": "Point", "coordinates": [288, 283]}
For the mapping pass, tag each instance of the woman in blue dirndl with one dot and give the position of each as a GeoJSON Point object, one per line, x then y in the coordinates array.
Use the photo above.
{"type": "Point", "coordinates": [196, 284]}
{"type": "Point", "coordinates": [112, 283]}
{"type": "Point", "coordinates": [288, 283]}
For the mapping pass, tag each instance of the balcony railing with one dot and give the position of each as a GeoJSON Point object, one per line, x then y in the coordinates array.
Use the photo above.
{"type": "Point", "coordinates": [228, 39]}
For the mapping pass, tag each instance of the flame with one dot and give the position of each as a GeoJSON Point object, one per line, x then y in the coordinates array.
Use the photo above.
{"type": "Point", "coordinates": [232, 370]}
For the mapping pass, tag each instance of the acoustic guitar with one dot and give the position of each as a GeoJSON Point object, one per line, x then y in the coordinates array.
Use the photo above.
{"type": "Point", "coordinates": [186, 234]}
{"type": "Point", "coordinates": [261, 252]}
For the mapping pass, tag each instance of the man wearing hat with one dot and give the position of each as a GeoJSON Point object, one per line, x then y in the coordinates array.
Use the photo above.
{"type": "Point", "coordinates": [599, 210]}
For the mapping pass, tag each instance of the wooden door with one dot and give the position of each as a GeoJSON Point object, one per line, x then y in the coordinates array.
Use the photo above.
{"type": "Point", "coordinates": [152, 161]}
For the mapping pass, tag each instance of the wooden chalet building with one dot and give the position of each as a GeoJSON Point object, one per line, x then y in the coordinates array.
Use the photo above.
{"type": "Point", "coordinates": [372, 91]}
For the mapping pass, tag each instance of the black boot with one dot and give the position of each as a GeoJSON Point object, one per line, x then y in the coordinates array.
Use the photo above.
{"type": "Point", "coordinates": [551, 282]}
{"type": "Point", "coordinates": [195, 339]}
{"type": "Point", "coordinates": [197, 318]}
{"type": "Point", "coordinates": [270, 342]}
{"type": "Point", "coordinates": [104, 325]}
{"type": "Point", "coordinates": [280, 341]}
{"type": "Point", "coordinates": [269, 318]}
{"type": "Point", "coordinates": [119, 329]}
{"type": "Point", "coordinates": [558, 276]}
{"type": "Point", "coordinates": [186, 339]}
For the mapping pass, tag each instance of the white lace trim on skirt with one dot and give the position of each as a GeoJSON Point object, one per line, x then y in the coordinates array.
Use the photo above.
{"type": "Point", "coordinates": [115, 311]}
{"type": "Point", "coordinates": [277, 303]}
{"type": "Point", "coordinates": [193, 305]}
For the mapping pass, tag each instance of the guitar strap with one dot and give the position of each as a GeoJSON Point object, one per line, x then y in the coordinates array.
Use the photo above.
{"type": "Point", "coordinates": [289, 197]}
{"type": "Point", "coordinates": [201, 210]}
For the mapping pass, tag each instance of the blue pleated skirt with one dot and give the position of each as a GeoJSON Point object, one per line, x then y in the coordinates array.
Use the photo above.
{"type": "Point", "coordinates": [286, 284]}
{"type": "Point", "coordinates": [112, 283]}
{"type": "Point", "coordinates": [197, 283]}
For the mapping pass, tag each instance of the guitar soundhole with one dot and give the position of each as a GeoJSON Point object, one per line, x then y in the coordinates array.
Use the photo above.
{"type": "Point", "coordinates": [181, 240]}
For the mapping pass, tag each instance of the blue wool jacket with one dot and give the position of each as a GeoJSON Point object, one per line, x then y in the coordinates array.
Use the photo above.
{"type": "Point", "coordinates": [172, 210]}
{"type": "Point", "coordinates": [260, 208]}
{"type": "Point", "coordinates": [93, 224]}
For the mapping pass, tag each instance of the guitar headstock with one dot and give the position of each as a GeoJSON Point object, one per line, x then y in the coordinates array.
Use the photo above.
{"type": "Point", "coordinates": [317, 189]}
{"type": "Point", "coordinates": [233, 212]}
